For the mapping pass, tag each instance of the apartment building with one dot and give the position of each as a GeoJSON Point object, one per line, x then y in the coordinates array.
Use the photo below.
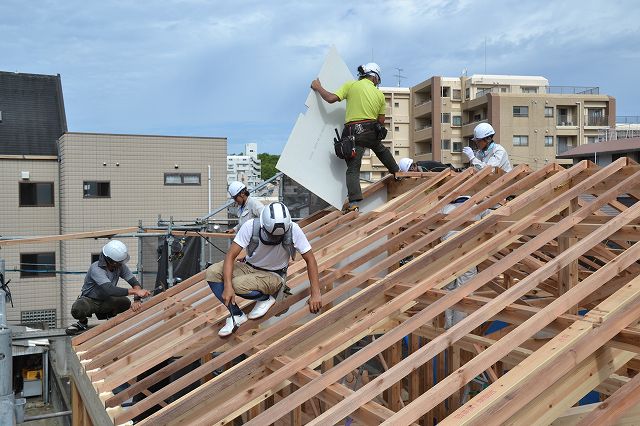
{"type": "Point", "coordinates": [245, 168]}
{"type": "Point", "coordinates": [397, 140]}
{"type": "Point", "coordinates": [58, 182]}
{"type": "Point", "coordinates": [533, 120]}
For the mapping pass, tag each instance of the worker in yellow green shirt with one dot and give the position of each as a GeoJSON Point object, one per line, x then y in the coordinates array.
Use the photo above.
{"type": "Point", "coordinates": [366, 109]}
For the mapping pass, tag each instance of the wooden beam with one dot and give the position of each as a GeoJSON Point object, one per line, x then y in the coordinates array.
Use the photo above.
{"type": "Point", "coordinates": [625, 398]}
{"type": "Point", "coordinates": [64, 237]}
{"type": "Point", "coordinates": [564, 393]}
{"type": "Point", "coordinates": [555, 358]}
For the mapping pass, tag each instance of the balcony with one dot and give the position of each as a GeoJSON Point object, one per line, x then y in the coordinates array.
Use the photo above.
{"type": "Point", "coordinates": [598, 121]}
{"type": "Point", "coordinates": [425, 108]}
{"type": "Point", "coordinates": [571, 90]}
{"type": "Point", "coordinates": [566, 120]}
{"type": "Point", "coordinates": [423, 134]}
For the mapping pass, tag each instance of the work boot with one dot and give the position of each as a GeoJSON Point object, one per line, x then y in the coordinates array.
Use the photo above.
{"type": "Point", "coordinates": [228, 327]}
{"type": "Point", "coordinates": [351, 207]}
{"type": "Point", "coordinates": [77, 328]}
{"type": "Point", "coordinates": [261, 308]}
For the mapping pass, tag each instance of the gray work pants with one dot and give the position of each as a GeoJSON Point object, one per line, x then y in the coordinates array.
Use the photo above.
{"type": "Point", "coordinates": [84, 307]}
{"type": "Point", "coordinates": [364, 140]}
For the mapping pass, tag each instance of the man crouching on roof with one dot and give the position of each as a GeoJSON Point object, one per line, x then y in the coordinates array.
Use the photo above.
{"type": "Point", "coordinates": [269, 242]}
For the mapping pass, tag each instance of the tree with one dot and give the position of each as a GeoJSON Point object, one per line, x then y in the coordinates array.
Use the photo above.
{"type": "Point", "coordinates": [268, 164]}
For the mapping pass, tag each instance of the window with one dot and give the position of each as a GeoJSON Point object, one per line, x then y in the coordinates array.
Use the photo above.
{"type": "Point", "coordinates": [548, 141]}
{"type": "Point", "coordinates": [396, 128]}
{"type": "Point", "coordinates": [446, 117]}
{"type": "Point", "coordinates": [520, 111]}
{"type": "Point", "coordinates": [36, 194]}
{"type": "Point", "coordinates": [457, 94]}
{"type": "Point", "coordinates": [396, 152]}
{"type": "Point", "coordinates": [365, 176]}
{"type": "Point", "coordinates": [396, 104]}
{"type": "Point", "coordinates": [367, 153]}
{"type": "Point", "coordinates": [477, 117]}
{"type": "Point", "coordinates": [467, 93]}
{"type": "Point", "coordinates": [456, 120]}
{"type": "Point", "coordinates": [456, 147]}
{"type": "Point", "coordinates": [529, 90]}
{"type": "Point", "coordinates": [520, 140]}
{"type": "Point", "coordinates": [37, 265]}
{"type": "Point", "coordinates": [548, 111]}
{"type": "Point", "coordinates": [503, 90]}
{"type": "Point", "coordinates": [445, 91]}
{"type": "Point", "coordinates": [445, 144]}
{"type": "Point", "coordinates": [182, 178]}
{"type": "Point", "coordinates": [96, 189]}
{"type": "Point", "coordinates": [592, 139]}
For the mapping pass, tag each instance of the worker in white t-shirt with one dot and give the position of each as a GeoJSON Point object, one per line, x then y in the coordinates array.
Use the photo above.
{"type": "Point", "coordinates": [269, 242]}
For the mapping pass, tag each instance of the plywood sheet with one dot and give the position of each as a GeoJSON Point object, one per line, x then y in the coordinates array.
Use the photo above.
{"type": "Point", "coordinates": [308, 156]}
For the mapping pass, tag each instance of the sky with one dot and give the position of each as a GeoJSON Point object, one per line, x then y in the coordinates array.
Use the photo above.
{"type": "Point", "coordinates": [242, 69]}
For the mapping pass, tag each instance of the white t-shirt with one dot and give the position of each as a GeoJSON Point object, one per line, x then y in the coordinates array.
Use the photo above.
{"type": "Point", "coordinates": [268, 257]}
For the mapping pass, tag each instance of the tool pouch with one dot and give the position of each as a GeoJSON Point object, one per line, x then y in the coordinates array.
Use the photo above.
{"type": "Point", "coordinates": [381, 131]}
{"type": "Point", "coordinates": [344, 146]}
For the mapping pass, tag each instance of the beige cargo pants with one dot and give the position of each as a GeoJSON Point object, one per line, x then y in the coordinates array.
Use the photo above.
{"type": "Point", "coordinates": [246, 278]}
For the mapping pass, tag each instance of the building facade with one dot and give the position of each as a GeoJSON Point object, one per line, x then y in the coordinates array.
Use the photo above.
{"type": "Point", "coordinates": [533, 120]}
{"type": "Point", "coordinates": [397, 140]}
{"type": "Point", "coordinates": [245, 168]}
{"type": "Point", "coordinates": [98, 182]}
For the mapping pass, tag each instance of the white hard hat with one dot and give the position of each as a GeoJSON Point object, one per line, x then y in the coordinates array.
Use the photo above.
{"type": "Point", "coordinates": [116, 250]}
{"type": "Point", "coordinates": [235, 188]}
{"type": "Point", "coordinates": [404, 164]}
{"type": "Point", "coordinates": [370, 69]}
{"type": "Point", "coordinates": [275, 219]}
{"type": "Point", "coordinates": [483, 130]}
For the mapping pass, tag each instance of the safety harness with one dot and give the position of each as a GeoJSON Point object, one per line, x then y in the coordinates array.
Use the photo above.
{"type": "Point", "coordinates": [287, 243]}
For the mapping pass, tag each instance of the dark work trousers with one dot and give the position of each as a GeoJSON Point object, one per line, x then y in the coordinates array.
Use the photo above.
{"type": "Point", "coordinates": [367, 139]}
{"type": "Point", "coordinates": [84, 307]}
{"type": "Point", "coordinates": [217, 288]}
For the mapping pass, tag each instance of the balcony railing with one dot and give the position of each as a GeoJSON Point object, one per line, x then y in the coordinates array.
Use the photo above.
{"type": "Point", "coordinates": [628, 119]}
{"type": "Point", "coordinates": [565, 120]}
{"type": "Point", "coordinates": [598, 121]}
{"type": "Point", "coordinates": [572, 90]}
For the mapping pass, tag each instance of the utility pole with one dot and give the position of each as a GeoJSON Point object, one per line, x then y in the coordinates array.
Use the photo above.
{"type": "Point", "coordinates": [7, 402]}
{"type": "Point", "coordinates": [399, 75]}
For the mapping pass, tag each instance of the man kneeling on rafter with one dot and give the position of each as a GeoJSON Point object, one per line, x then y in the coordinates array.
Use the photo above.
{"type": "Point", "coordinates": [269, 242]}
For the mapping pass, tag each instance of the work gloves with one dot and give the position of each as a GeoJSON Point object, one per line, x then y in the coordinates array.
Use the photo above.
{"type": "Point", "coordinates": [468, 152]}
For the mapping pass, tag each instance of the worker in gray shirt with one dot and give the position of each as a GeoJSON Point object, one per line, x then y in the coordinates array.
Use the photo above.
{"type": "Point", "coordinates": [248, 207]}
{"type": "Point", "coordinates": [100, 293]}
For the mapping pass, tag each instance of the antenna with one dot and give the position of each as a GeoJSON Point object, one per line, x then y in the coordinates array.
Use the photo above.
{"type": "Point", "coordinates": [399, 75]}
{"type": "Point", "coordinates": [485, 54]}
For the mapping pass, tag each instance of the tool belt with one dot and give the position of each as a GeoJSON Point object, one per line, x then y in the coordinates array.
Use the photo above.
{"type": "Point", "coordinates": [358, 127]}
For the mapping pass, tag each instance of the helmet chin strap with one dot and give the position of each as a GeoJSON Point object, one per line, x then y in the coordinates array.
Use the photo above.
{"type": "Point", "coordinates": [268, 239]}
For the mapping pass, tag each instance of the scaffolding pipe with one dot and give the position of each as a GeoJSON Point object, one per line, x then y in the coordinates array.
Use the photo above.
{"type": "Point", "coordinates": [47, 416]}
{"type": "Point", "coordinates": [229, 203]}
{"type": "Point", "coordinates": [169, 253]}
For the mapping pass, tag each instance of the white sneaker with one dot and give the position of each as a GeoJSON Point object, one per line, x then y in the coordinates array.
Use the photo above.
{"type": "Point", "coordinates": [261, 308]}
{"type": "Point", "coordinates": [228, 327]}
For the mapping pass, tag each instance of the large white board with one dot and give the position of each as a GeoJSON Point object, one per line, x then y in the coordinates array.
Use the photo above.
{"type": "Point", "coordinates": [308, 156]}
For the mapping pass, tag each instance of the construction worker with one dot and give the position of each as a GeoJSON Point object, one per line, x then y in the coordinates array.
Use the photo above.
{"type": "Point", "coordinates": [408, 165]}
{"type": "Point", "coordinates": [248, 207]}
{"type": "Point", "coordinates": [489, 153]}
{"type": "Point", "coordinates": [269, 242]}
{"type": "Point", "coordinates": [100, 294]}
{"type": "Point", "coordinates": [366, 109]}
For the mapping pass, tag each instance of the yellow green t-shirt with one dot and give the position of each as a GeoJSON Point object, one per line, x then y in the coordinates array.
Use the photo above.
{"type": "Point", "coordinates": [364, 100]}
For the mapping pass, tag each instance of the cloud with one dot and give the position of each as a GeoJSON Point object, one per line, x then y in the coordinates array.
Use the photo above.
{"type": "Point", "coordinates": [242, 69]}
